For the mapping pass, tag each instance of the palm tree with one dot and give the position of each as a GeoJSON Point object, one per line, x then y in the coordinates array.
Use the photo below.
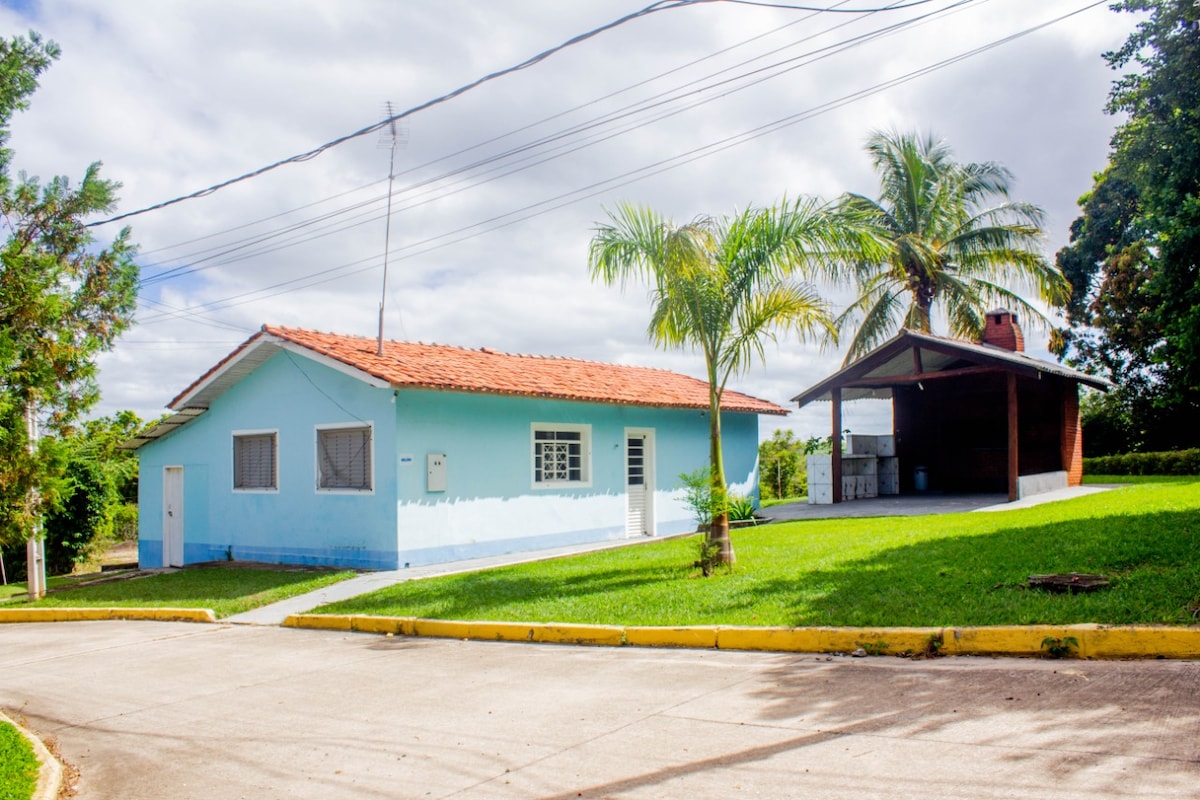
{"type": "Point", "coordinates": [723, 287]}
{"type": "Point", "coordinates": [946, 246]}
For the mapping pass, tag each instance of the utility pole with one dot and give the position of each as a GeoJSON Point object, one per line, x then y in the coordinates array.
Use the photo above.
{"type": "Point", "coordinates": [391, 137]}
{"type": "Point", "coordinates": [35, 548]}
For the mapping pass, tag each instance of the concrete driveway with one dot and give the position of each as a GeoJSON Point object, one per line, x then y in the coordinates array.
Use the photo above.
{"type": "Point", "coordinates": [176, 710]}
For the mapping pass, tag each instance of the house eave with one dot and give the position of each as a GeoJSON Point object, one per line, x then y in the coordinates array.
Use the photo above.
{"type": "Point", "coordinates": [255, 352]}
{"type": "Point", "coordinates": [164, 427]}
{"type": "Point", "coordinates": [876, 374]}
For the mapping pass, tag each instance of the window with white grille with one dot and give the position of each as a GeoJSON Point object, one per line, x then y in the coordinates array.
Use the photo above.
{"type": "Point", "coordinates": [255, 461]}
{"type": "Point", "coordinates": [344, 458]}
{"type": "Point", "coordinates": [562, 455]}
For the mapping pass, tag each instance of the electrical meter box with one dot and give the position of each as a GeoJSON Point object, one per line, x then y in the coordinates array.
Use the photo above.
{"type": "Point", "coordinates": [435, 472]}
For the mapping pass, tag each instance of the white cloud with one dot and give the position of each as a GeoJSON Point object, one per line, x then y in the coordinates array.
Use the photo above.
{"type": "Point", "coordinates": [174, 97]}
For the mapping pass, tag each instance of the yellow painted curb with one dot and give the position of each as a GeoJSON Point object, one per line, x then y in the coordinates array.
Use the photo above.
{"type": "Point", "coordinates": [878, 641]}
{"type": "Point", "coordinates": [442, 628]}
{"type": "Point", "coordinates": [1082, 641]}
{"type": "Point", "coordinates": [875, 641]}
{"type": "Point", "coordinates": [502, 631]}
{"type": "Point", "coordinates": [88, 614]}
{"type": "Point", "coordinates": [320, 622]}
{"type": "Point", "coordinates": [401, 626]}
{"type": "Point", "coordinates": [49, 782]}
{"type": "Point", "coordinates": [1140, 641]}
{"type": "Point", "coordinates": [786, 640]}
{"type": "Point", "coordinates": [604, 635]}
{"type": "Point", "coordinates": [1007, 640]}
{"type": "Point", "coordinates": [648, 636]}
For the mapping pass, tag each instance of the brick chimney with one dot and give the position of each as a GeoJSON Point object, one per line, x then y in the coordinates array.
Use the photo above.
{"type": "Point", "coordinates": [1003, 330]}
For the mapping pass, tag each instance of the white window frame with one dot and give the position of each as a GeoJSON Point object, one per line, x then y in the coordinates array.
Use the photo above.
{"type": "Point", "coordinates": [585, 442]}
{"type": "Point", "coordinates": [365, 424]}
{"type": "Point", "coordinates": [234, 436]}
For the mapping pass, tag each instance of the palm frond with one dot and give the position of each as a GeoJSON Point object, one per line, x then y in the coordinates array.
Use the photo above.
{"type": "Point", "coordinates": [944, 238]}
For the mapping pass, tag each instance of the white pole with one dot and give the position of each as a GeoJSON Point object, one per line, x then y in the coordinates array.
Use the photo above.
{"type": "Point", "coordinates": [387, 229]}
{"type": "Point", "coordinates": [35, 548]}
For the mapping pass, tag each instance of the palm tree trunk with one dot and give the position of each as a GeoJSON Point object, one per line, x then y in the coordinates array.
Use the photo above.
{"type": "Point", "coordinates": [718, 531]}
{"type": "Point", "coordinates": [922, 290]}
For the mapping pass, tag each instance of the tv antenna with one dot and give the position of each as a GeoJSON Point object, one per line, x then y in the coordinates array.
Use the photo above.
{"type": "Point", "coordinates": [391, 137]}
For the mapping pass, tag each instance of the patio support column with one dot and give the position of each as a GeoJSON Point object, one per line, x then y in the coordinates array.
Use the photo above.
{"type": "Point", "coordinates": [1013, 437]}
{"type": "Point", "coordinates": [835, 395]}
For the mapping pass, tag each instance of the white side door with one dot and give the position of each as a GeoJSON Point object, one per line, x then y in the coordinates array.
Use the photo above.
{"type": "Point", "coordinates": [172, 527]}
{"type": "Point", "coordinates": [639, 482]}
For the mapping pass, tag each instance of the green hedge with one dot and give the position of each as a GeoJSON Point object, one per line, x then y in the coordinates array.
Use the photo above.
{"type": "Point", "coordinates": [1174, 462]}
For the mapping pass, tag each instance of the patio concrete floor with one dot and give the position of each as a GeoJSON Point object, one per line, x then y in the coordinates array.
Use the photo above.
{"type": "Point", "coordinates": [907, 505]}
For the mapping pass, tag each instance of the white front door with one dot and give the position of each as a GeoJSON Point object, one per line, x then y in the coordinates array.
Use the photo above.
{"type": "Point", "coordinates": [639, 482]}
{"type": "Point", "coordinates": [172, 527]}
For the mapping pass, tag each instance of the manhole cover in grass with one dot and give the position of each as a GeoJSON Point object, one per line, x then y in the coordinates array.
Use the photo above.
{"type": "Point", "coordinates": [1068, 582]}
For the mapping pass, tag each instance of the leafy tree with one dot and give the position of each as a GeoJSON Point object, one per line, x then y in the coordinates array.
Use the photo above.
{"type": "Point", "coordinates": [782, 469]}
{"type": "Point", "coordinates": [1134, 254]}
{"type": "Point", "coordinates": [947, 247]}
{"type": "Point", "coordinates": [100, 486]}
{"type": "Point", "coordinates": [62, 301]}
{"type": "Point", "coordinates": [723, 286]}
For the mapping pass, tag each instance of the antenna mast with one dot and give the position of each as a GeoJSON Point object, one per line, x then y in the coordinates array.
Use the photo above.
{"type": "Point", "coordinates": [391, 136]}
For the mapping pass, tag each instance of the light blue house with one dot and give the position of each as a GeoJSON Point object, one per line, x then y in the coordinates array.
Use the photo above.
{"type": "Point", "coordinates": [311, 448]}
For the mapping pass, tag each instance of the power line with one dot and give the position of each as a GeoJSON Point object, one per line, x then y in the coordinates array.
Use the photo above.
{"type": "Point", "coordinates": [478, 145]}
{"type": "Point", "coordinates": [632, 176]}
{"type": "Point", "coordinates": [532, 158]}
{"type": "Point", "coordinates": [660, 5]}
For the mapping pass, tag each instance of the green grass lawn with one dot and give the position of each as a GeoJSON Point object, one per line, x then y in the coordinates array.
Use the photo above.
{"type": "Point", "coordinates": [947, 570]}
{"type": "Point", "coordinates": [18, 765]}
{"type": "Point", "coordinates": [225, 590]}
{"type": "Point", "coordinates": [778, 501]}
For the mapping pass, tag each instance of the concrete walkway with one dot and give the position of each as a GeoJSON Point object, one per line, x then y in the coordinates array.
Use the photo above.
{"type": "Point", "coordinates": [906, 505]}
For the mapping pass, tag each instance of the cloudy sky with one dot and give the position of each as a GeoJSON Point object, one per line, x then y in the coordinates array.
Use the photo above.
{"type": "Point", "coordinates": [697, 110]}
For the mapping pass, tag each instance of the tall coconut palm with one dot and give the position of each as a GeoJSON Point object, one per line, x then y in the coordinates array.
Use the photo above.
{"type": "Point", "coordinates": [723, 287]}
{"type": "Point", "coordinates": [947, 248]}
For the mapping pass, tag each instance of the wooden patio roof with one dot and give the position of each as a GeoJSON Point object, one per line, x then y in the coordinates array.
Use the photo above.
{"type": "Point", "coordinates": [911, 357]}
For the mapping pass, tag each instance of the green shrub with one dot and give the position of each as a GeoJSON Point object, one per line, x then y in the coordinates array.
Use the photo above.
{"type": "Point", "coordinates": [741, 508]}
{"type": "Point", "coordinates": [1174, 462]}
{"type": "Point", "coordinates": [125, 522]}
{"type": "Point", "coordinates": [699, 497]}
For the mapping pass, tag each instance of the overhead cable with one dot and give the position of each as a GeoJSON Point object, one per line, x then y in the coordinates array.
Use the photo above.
{"type": "Point", "coordinates": [660, 5]}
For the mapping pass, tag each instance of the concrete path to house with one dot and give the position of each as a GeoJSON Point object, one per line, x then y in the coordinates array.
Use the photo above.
{"type": "Point", "coordinates": [907, 505]}
{"type": "Point", "coordinates": [152, 710]}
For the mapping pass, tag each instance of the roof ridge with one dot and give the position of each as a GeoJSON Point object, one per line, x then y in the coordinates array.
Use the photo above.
{"type": "Point", "coordinates": [458, 368]}
{"type": "Point", "coordinates": [483, 349]}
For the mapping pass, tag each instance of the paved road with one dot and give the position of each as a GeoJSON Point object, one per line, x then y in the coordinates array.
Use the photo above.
{"type": "Point", "coordinates": [172, 710]}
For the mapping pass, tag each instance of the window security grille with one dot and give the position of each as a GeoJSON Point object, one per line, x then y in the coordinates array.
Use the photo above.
{"type": "Point", "coordinates": [558, 456]}
{"type": "Point", "coordinates": [254, 461]}
{"type": "Point", "coordinates": [344, 458]}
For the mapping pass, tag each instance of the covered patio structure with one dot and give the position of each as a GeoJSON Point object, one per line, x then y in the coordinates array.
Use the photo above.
{"type": "Point", "coordinates": [966, 416]}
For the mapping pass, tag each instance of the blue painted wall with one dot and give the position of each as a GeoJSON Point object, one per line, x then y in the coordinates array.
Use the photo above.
{"type": "Point", "coordinates": [297, 524]}
{"type": "Point", "coordinates": [490, 504]}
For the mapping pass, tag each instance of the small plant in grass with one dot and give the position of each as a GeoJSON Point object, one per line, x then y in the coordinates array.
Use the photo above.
{"type": "Point", "coordinates": [708, 551]}
{"type": "Point", "coordinates": [1056, 647]}
{"type": "Point", "coordinates": [740, 508]}
{"type": "Point", "coordinates": [698, 496]}
{"type": "Point", "coordinates": [877, 648]}
{"type": "Point", "coordinates": [933, 646]}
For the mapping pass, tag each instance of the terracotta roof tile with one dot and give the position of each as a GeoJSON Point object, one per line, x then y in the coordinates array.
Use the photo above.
{"type": "Point", "coordinates": [434, 366]}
